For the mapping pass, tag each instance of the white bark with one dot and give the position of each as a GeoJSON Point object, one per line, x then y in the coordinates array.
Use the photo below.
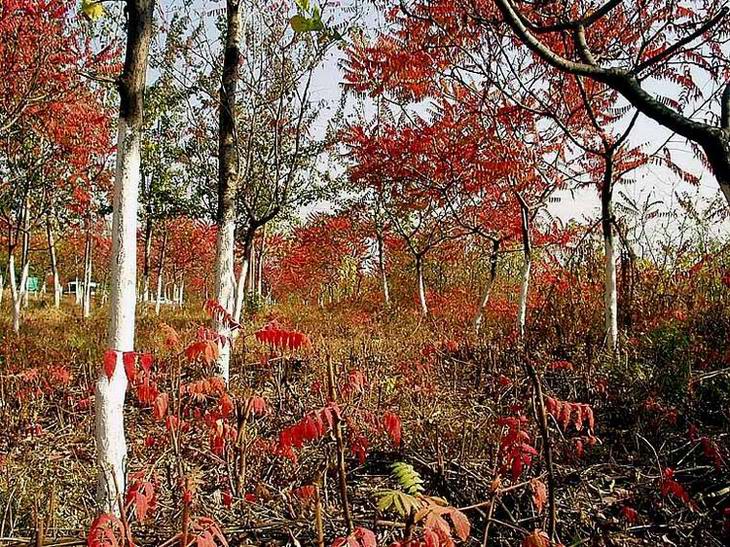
{"type": "Point", "coordinates": [17, 290]}
{"type": "Point", "coordinates": [158, 297]}
{"type": "Point", "coordinates": [110, 440]}
{"type": "Point", "coordinates": [86, 300]}
{"type": "Point", "coordinates": [224, 291]}
{"type": "Point", "coordinates": [2, 288]}
{"type": "Point", "coordinates": [421, 287]}
{"type": "Point", "coordinates": [383, 273]}
{"type": "Point", "coordinates": [241, 290]}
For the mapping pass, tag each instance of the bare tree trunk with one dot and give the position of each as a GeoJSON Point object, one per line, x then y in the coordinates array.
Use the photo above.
{"type": "Point", "coordinates": [610, 298]}
{"type": "Point", "coordinates": [160, 269]}
{"type": "Point", "coordinates": [251, 281]}
{"type": "Point", "coordinates": [25, 256]}
{"type": "Point", "coordinates": [17, 290]}
{"type": "Point", "coordinates": [54, 264]}
{"type": "Point", "coordinates": [383, 273]}
{"type": "Point", "coordinates": [243, 276]}
{"type": "Point", "coordinates": [260, 263]}
{"type": "Point", "coordinates": [487, 291]}
{"type": "Point", "coordinates": [147, 253]}
{"type": "Point", "coordinates": [111, 444]}
{"type": "Point", "coordinates": [86, 301]}
{"type": "Point", "coordinates": [526, 266]}
{"type": "Point", "coordinates": [421, 285]}
{"type": "Point", "coordinates": [227, 183]}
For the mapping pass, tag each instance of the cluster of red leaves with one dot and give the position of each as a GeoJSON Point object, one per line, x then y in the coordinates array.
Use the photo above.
{"type": "Point", "coordinates": [221, 315]}
{"type": "Point", "coordinates": [566, 413]}
{"type": "Point", "coordinates": [275, 336]}
{"type": "Point", "coordinates": [516, 448]}
{"type": "Point", "coordinates": [669, 487]}
{"type": "Point", "coordinates": [663, 412]}
{"type": "Point", "coordinates": [313, 426]}
{"type": "Point", "coordinates": [205, 532]}
{"type": "Point", "coordinates": [360, 537]}
{"type": "Point", "coordinates": [392, 426]}
{"type": "Point", "coordinates": [130, 359]}
{"type": "Point", "coordinates": [353, 383]}
{"type": "Point", "coordinates": [709, 447]}
{"type": "Point", "coordinates": [141, 495]}
{"type": "Point", "coordinates": [107, 530]}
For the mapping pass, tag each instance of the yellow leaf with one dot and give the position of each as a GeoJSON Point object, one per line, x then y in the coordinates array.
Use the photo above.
{"type": "Point", "coordinates": [92, 9]}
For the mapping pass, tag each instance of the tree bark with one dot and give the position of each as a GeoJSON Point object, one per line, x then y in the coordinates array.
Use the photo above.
{"type": "Point", "coordinates": [526, 266]}
{"type": "Point", "coordinates": [160, 270]}
{"type": "Point", "coordinates": [383, 273]}
{"type": "Point", "coordinates": [487, 291]}
{"type": "Point", "coordinates": [421, 286]}
{"type": "Point", "coordinates": [147, 259]}
{"type": "Point", "coordinates": [260, 263]}
{"type": "Point", "coordinates": [243, 276]}
{"type": "Point", "coordinates": [86, 300]}
{"type": "Point", "coordinates": [227, 183]}
{"type": "Point", "coordinates": [610, 298]}
{"type": "Point", "coordinates": [54, 264]}
{"type": "Point", "coordinates": [110, 440]}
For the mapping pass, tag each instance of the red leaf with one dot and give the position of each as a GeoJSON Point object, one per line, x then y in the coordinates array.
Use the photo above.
{"type": "Point", "coordinates": [159, 407]}
{"type": "Point", "coordinates": [110, 363]}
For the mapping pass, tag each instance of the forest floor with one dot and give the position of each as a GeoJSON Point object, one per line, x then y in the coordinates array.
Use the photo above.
{"type": "Point", "coordinates": [638, 441]}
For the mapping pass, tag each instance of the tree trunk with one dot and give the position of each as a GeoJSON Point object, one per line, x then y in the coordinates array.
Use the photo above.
{"type": "Point", "coordinates": [160, 269]}
{"type": "Point", "coordinates": [227, 183]}
{"type": "Point", "coordinates": [54, 264]}
{"type": "Point", "coordinates": [17, 290]}
{"type": "Point", "coordinates": [110, 440]}
{"type": "Point", "coordinates": [487, 291]}
{"type": "Point", "coordinates": [383, 273]}
{"type": "Point", "coordinates": [526, 266]}
{"type": "Point", "coordinates": [251, 281]}
{"type": "Point", "coordinates": [260, 264]}
{"type": "Point", "coordinates": [421, 286]}
{"type": "Point", "coordinates": [146, 263]}
{"type": "Point", "coordinates": [243, 276]}
{"type": "Point", "coordinates": [610, 299]}
{"type": "Point", "coordinates": [86, 300]}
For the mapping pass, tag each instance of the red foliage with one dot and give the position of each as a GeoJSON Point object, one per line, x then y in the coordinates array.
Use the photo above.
{"type": "Point", "coordinates": [275, 336]}
{"type": "Point", "coordinates": [516, 449]}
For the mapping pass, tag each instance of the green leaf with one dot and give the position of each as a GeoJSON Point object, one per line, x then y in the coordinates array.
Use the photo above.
{"type": "Point", "coordinates": [302, 4]}
{"type": "Point", "coordinates": [299, 23]}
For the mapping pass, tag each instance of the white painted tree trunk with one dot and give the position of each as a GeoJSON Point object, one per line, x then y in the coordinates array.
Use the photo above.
{"type": "Point", "coordinates": [181, 294]}
{"type": "Point", "coordinates": [241, 290]}
{"type": "Point", "coordinates": [383, 273]}
{"type": "Point", "coordinates": [86, 301]}
{"type": "Point", "coordinates": [224, 290]}
{"type": "Point", "coordinates": [421, 287]}
{"type": "Point", "coordinates": [110, 392]}
{"type": "Point", "coordinates": [54, 265]}
{"type": "Point", "coordinates": [17, 290]}
{"type": "Point", "coordinates": [2, 288]}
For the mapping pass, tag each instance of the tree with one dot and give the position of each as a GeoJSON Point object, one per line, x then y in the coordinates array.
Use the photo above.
{"type": "Point", "coordinates": [625, 46]}
{"type": "Point", "coordinates": [111, 388]}
{"type": "Point", "coordinates": [228, 180]}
